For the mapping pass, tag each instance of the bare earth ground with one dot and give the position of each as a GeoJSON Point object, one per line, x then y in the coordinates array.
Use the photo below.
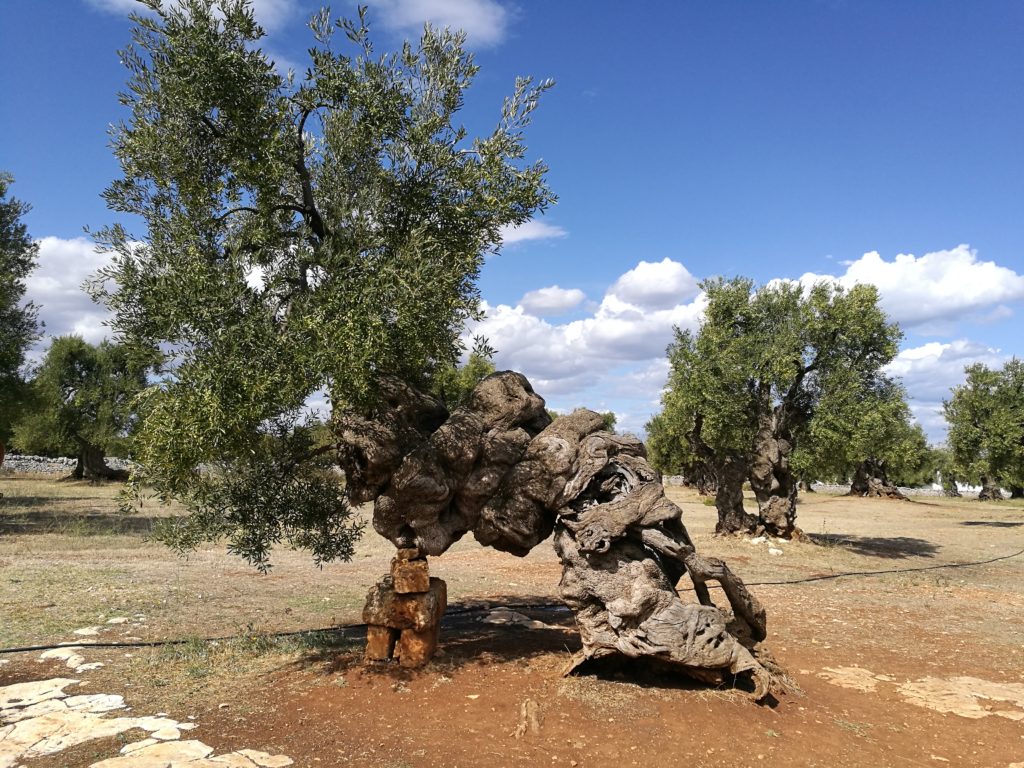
{"type": "Point", "coordinates": [916, 668]}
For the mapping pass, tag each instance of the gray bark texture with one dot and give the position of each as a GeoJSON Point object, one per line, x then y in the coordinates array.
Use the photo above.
{"type": "Point", "coordinates": [731, 473]}
{"type": "Point", "coordinates": [990, 490]}
{"type": "Point", "coordinates": [774, 484]}
{"type": "Point", "coordinates": [771, 474]}
{"type": "Point", "coordinates": [949, 488]}
{"type": "Point", "coordinates": [872, 481]}
{"type": "Point", "coordinates": [92, 464]}
{"type": "Point", "coordinates": [500, 468]}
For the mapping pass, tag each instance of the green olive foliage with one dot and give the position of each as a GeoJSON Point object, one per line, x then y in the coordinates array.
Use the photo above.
{"type": "Point", "coordinates": [774, 347]}
{"type": "Point", "coordinates": [18, 324]}
{"type": "Point", "coordinates": [986, 425]}
{"type": "Point", "coordinates": [869, 426]}
{"type": "Point", "coordinates": [83, 399]}
{"type": "Point", "coordinates": [452, 384]}
{"type": "Point", "coordinates": [302, 234]}
{"type": "Point", "coordinates": [760, 366]}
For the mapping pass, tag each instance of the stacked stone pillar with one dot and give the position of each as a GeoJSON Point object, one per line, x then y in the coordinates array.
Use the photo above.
{"type": "Point", "coordinates": [403, 612]}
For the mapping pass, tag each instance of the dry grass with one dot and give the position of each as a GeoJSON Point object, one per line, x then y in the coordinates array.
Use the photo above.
{"type": "Point", "coordinates": [69, 559]}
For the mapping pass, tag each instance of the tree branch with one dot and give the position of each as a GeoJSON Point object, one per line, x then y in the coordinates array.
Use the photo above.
{"type": "Point", "coordinates": [212, 126]}
{"type": "Point", "coordinates": [309, 209]}
{"type": "Point", "coordinates": [249, 209]}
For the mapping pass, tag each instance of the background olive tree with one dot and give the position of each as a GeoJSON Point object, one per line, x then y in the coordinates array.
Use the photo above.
{"type": "Point", "coordinates": [300, 234]}
{"type": "Point", "coordinates": [83, 403]}
{"type": "Point", "coordinates": [986, 428]}
{"type": "Point", "coordinates": [743, 389]}
{"type": "Point", "coordinates": [453, 383]}
{"type": "Point", "coordinates": [18, 326]}
{"type": "Point", "coordinates": [866, 435]}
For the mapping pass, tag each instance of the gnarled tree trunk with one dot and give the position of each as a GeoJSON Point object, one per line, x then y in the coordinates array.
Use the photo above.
{"type": "Point", "coordinates": [990, 490]}
{"type": "Point", "coordinates": [730, 474]}
{"type": "Point", "coordinates": [92, 464]}
{"type": "Point", "coordinates": [701, 478]}
{"type": "Point", "coordinates": [950, 489]}
{"type": "Point", "coordinates": [500, 468]}
{"type": "Point", "coordinates": [871, 480]}
{"type": "Point", "coordinates": [772, 479]}
{"type": "Point", "coordinates": [706, 484]}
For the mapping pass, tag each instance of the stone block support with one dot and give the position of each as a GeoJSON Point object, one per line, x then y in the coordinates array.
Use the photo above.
{"type": "Point", "coordinates": [403, 612]}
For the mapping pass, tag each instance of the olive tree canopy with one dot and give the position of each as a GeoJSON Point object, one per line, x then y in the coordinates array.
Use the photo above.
{"type": "Point", "coordinates": [83, 399]}
{"type": "Point", "coordinates": [18, 326]}
{"type": "Point", "coordinates": [301, 235]}
{"type": "Point", "coordinates": [743, 389]}
{"type": "Point", "coordinates": [986, 428]}
{"type": "Point", "coordinates": [866, 435]}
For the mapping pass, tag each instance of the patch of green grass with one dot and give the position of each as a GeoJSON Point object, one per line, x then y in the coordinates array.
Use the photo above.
{"type": "Point", "coordinates": [251, 643]}
{"type": "Point", "coordinates": [42, 602]}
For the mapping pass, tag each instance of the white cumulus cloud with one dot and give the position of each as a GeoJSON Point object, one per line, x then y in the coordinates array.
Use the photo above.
{"type": "Point", "coordinates": [553, 300]}
{"type": "Point", "coordinates": [531, 230]}
{"type": "Point", "coordinates": [655, 285]}
{"type": "Point", "coordinates": [484, 21]}
{"type": "Point", "coordinates": [931, 370]}
{"type": "Point", "coordinates": [55, 286]}
{"type": "Point", "coordinates": [936, 287]}
{"type": "Point", "coordinates": [271, 14]}
{"type": "Point", "coordinates": [617, 342]}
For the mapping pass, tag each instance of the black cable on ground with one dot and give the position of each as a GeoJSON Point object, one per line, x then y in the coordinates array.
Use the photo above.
{"type": "Point", "coordinates": [458, 611]}
{"type": "Point", "coordinates": [826, 576]}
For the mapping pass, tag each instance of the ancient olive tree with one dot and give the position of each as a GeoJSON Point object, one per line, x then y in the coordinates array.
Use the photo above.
{"type": "Point", "coordinates": [83, 403]}
{"type": "Point", "coordinates": [866, 435]}
{"type": "Point", "coordinates": [18, 326]}
{"type": "Point", "coordinates": [941, 459]}
{"type": "Point", "coordinates": [325, 236]}
{"type": "Point", "coordinates": [302, 234]}
{"type": "Point", "coordinates": [743, 389]}
{"type": "Point", "coordinates": [986, 428]}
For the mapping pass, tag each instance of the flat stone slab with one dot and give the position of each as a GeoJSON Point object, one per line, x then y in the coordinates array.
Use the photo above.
{"type": "Point", "coordinates": [41, 718]}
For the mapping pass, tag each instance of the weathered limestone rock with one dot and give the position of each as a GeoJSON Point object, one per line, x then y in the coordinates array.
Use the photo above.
{"type": "Point", "coordinates": [402, 623]}
{"type": "Point", "coordinates": [417, 648]}
{"type": "Point", "coordinates": [386, 607]}
{"type": "Point", "coordinates": [40, 719]}
{"type": "Point", "coordinates": [409, 573]}
{"type": "Point", "coordinates": [501, 468]}
{"type": "Point", "coordinates": [380, 642]}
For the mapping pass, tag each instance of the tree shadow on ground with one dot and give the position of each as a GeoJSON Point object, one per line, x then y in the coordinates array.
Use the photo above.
{"type": "Point", "coordinates": [88, 524]}
{"type": "Point", "coordinates": [28, 502]}
{"type": "Point", "coordinates": [466, 637]}
{"type": "Point", "coordinates": [993, 523]}
{"type": "Point", "coordinates": [893, 548]}
{"type": "Point", "coordinates": [468, 641]}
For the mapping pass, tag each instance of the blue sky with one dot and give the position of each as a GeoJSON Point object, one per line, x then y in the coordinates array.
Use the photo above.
{"type": "Point", "coordinates": [686, 139]}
